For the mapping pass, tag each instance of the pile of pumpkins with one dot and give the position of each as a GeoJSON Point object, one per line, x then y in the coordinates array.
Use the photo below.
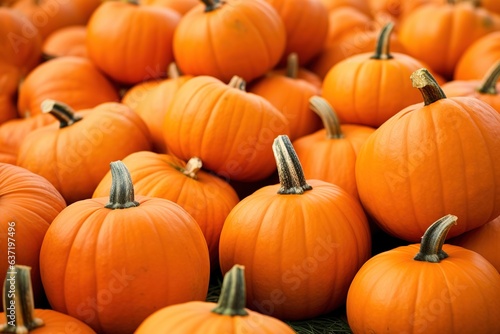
{"type": "Point", "coordinates": [149, 146]}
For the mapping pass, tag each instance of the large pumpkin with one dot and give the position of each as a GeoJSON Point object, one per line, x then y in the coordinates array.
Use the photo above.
{"type": "Point", "coordinates": [229, 129]}
{"type": "Point", "coordinates": [432, 158]}
{"type": "Point", "coordinates": [301, 242]}
{"type": "Point", "coordinates": [112, 261]}
{"type": "Point", "coordinates": [426, 288]}
{"type": "Point", "coordinates": [227, 38]}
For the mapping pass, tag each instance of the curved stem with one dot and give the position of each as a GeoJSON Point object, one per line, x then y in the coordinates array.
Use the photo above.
{"type": "Point", "coordinates": [292, 65]}
{"type": "Point", "coordinates": [489, 85]}
{"type": "Point", "coordinates": [383, 43]}
{"type": "Point", "coordinates": [64, 113]}
{"type": "Point", "coordinates": [121, 195]}
{"type": "Point", "coordinates": [425, 82]}
{"type": "Point", "coordinates": [192, 167]}
{"type": "Point", "coordinates": [328, 116]}
{"type": "Point", "coordinates": [211, 5]}
{"type": "Point", "coordinates": [233, 293]}
{"type": "Point", "coordinates": [237, 82]}
{"type": "Point", "coordinates": [290, 171]}
{"type": "Point", "coordinates": [18, 302]}
{"type": "Point", "coordinates": [431, 246]}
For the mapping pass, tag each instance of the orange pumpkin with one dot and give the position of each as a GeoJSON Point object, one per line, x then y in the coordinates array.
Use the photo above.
{"type": "Point", "coordinates": [430, 159]}
{"type": "Point", "coordinates": [330, 154]}
{"type": "Point", "coordinates": [441, 289]}
{"type": "Point", "coordinates": [21, 316]}
{"type": "Point", "coordinates": [112, 248]}
{"type": "Point", "coordinates": [227, 38]}
{"type": "Point", "coordinates": [82, 143]}
{"type": "Point", "coordinates": [344, 21]}
{"type": "Point", "coordinates": [67, 41]}
{"type": "Point", "coordinates": [180, 6]}
{"type": "Point", "coordinates": [229, 129]}
{"type": "Point", "coordinates": [75, 80]}
{"type": "Point", "coordinates": [203, 195]}
{"type": "Point", "coordinates": [478, 58]}
{"type": "Point", "coordinates": [29, 203]}
{"type": "Point", "coordinates": [10, 77]}
{"type": "Point", "coordinates": [301, 242]}
{"type": "Point", "coordinates": [131, 53]}
{"type": "Point", "coordinates": [361, 5]}
{"type": "Point", "coordinates": [229, 315]}
{"type": "Point", "coordinates": [424, 31]}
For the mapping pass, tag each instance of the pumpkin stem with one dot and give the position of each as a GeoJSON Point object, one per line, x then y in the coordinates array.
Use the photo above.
{"type": "Point", "coordinates": [383, 42]}
{"type": "Point", "coordinates": [121, 195]}
{"type": "Point", "coordinates": [425, 82]}
{"type": "Point", "coordinates": [233, 293]}
{"type": "Point", "coordinates": [192, 167]}
{"type": "Point", "coordinates": [431, 246]}
{"type": "Point", "coordinates": [330, 120]}
{"type": "Point", "coordinates": [489, 85]}
{"type": "Point", "coordinates": [290, 171]}
{"type": "Point", "coordinates": [292, 65]}
{"type": "Point", "coordinates": [237, 82]}
{"type": "Point", "coordinates": [18, 302]}
{"type": "Point", "coordinates": [173, 71]}
{"type": "Point", "coordinates": [64, 113]}
{"type": "Point", "coordinates": [132, 2]}
{"type": "Point", "coordinates": [211, 5]}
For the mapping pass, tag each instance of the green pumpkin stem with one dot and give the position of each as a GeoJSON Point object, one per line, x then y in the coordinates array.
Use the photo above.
{"type": "Point", "coordinates": [18, 302]}
{"type": "Point", "coordinates": [121, 195]}
{"type": "Point", "coordinates": [233, 293]}
{"type": "Point", "coordinates": [489, 85]}
{"type": "Point", "coordinates": [292, 65]}
{"type": "Point", "coordinates": [211, 5]}
{"type": "Point", "coordinates": [290, 171]}
{"type": "Point", "coordinates": [237, 82]}
{"type": "Point", "coordinates": [328, 116]}
{"type": "Point", "coordinates": [428, 86]}
{"type": "Point", "coordinates": [431, 246]}
{"type": "Point", "coordinates": [64, 113]}
{"type": "Point", "coordinates": [383, 43]}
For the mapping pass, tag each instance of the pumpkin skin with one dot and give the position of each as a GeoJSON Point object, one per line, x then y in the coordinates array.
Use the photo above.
{"type": "Point", "coordinates": [201, 122]}
{"type": "Point", "coordinates": [144, 246]}
{"type": "Point", "coordinates": [180, 6]}
{"type": "Point", "coordinates": [109, 42]}
{"type": "Point", "coordinates": [108, 132]}
{"type": "Point", "coordinates": [10, 76]}
{"type": "Point", "coordinates": [482, 240]}
{"type": "Point", "coordinates": [254, 29]}
{"type": "Point", "coordinates": [393, 293]}
{"type": "Point", "coordinates": [67, 41]}
{"type": "Point", "coordinates": [322, 229]}
{"type": "Point", "coordinates": [74, 80]}
{"type": "Point", "coordinates": [432, 156]}
{"type": "Point", "coordinates": [478, 58]}
{"type": "Point", "coordinates": [31, 203]}
{"type": "Point", "coordinates": [206, 197]}
{"type": "Point", "coordinates": [461, 24]}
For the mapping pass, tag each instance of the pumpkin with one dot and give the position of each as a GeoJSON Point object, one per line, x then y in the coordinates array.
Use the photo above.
{"type": "Point", "coordinates": [329, 154]}
{"type": "Point", "coordinates": [294, 70]}
{"type": "Point", "coordinates": [361, 88]}
{"type": "Point", "coordinates": [432, 155]}
{"type": "Point", "coordinates": [21, 316]}
{"type": "Point", "coordinates": [227, 38]}
{"type": "Point", "coordinates": [229, 129]}
{"type": "Point", "coordinates": [203, 195]}
{"type": "Point", "coordinates": [441, 289]}
{"type": "Point", "coordinates": [20, 41]}
{"type": "Point", "coordinates": [301, 242]}
{"type": "Point", "coordinates": [181, 6]}
{"type": "Point", "coordinates": [131, 53]}
{"type": "Point", "coordinates": [485, 90]}
{"type": "Point", "coordinates": [344, 21]}
{"type": "Point", "coordinates": [82, 143]}
{"type": "Point", "coordinates": [361, 5]}
{"type": "Point", "coordinates": [290, 95]}
{"type": "Point", "coordinates": [67, 41]}
{"type": "Point", "coordinates": [99, 252]}
{"type": "Point", "coordinates": [306, 24]}
{"type": "Point", "coordinates": [460, 24]}
{"type": "Point", "coordinates": [228, 315]}
{"type": "Point", "coordinates": [482, 240]}
{"type": "Point", "coordinates": [10, 76]}
{"type": "Point", "coordinates": [478, 58]}
{"type": "Point", "coordinates": [29, 203]}
{"type": "Point", "coordinates": [74, 80]}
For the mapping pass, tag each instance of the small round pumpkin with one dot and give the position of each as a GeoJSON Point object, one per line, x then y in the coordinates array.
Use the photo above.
{"type": "Point", "coordinates": [478, 58]}
{"type": "Point", "coordinates": [67, 41]}
{"type": "Point", "coordinates": [441, 289]}
{"type": "Point", "coordinates": [111, 248]}
{"type": "Point", "coordinates": [229, 315]}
